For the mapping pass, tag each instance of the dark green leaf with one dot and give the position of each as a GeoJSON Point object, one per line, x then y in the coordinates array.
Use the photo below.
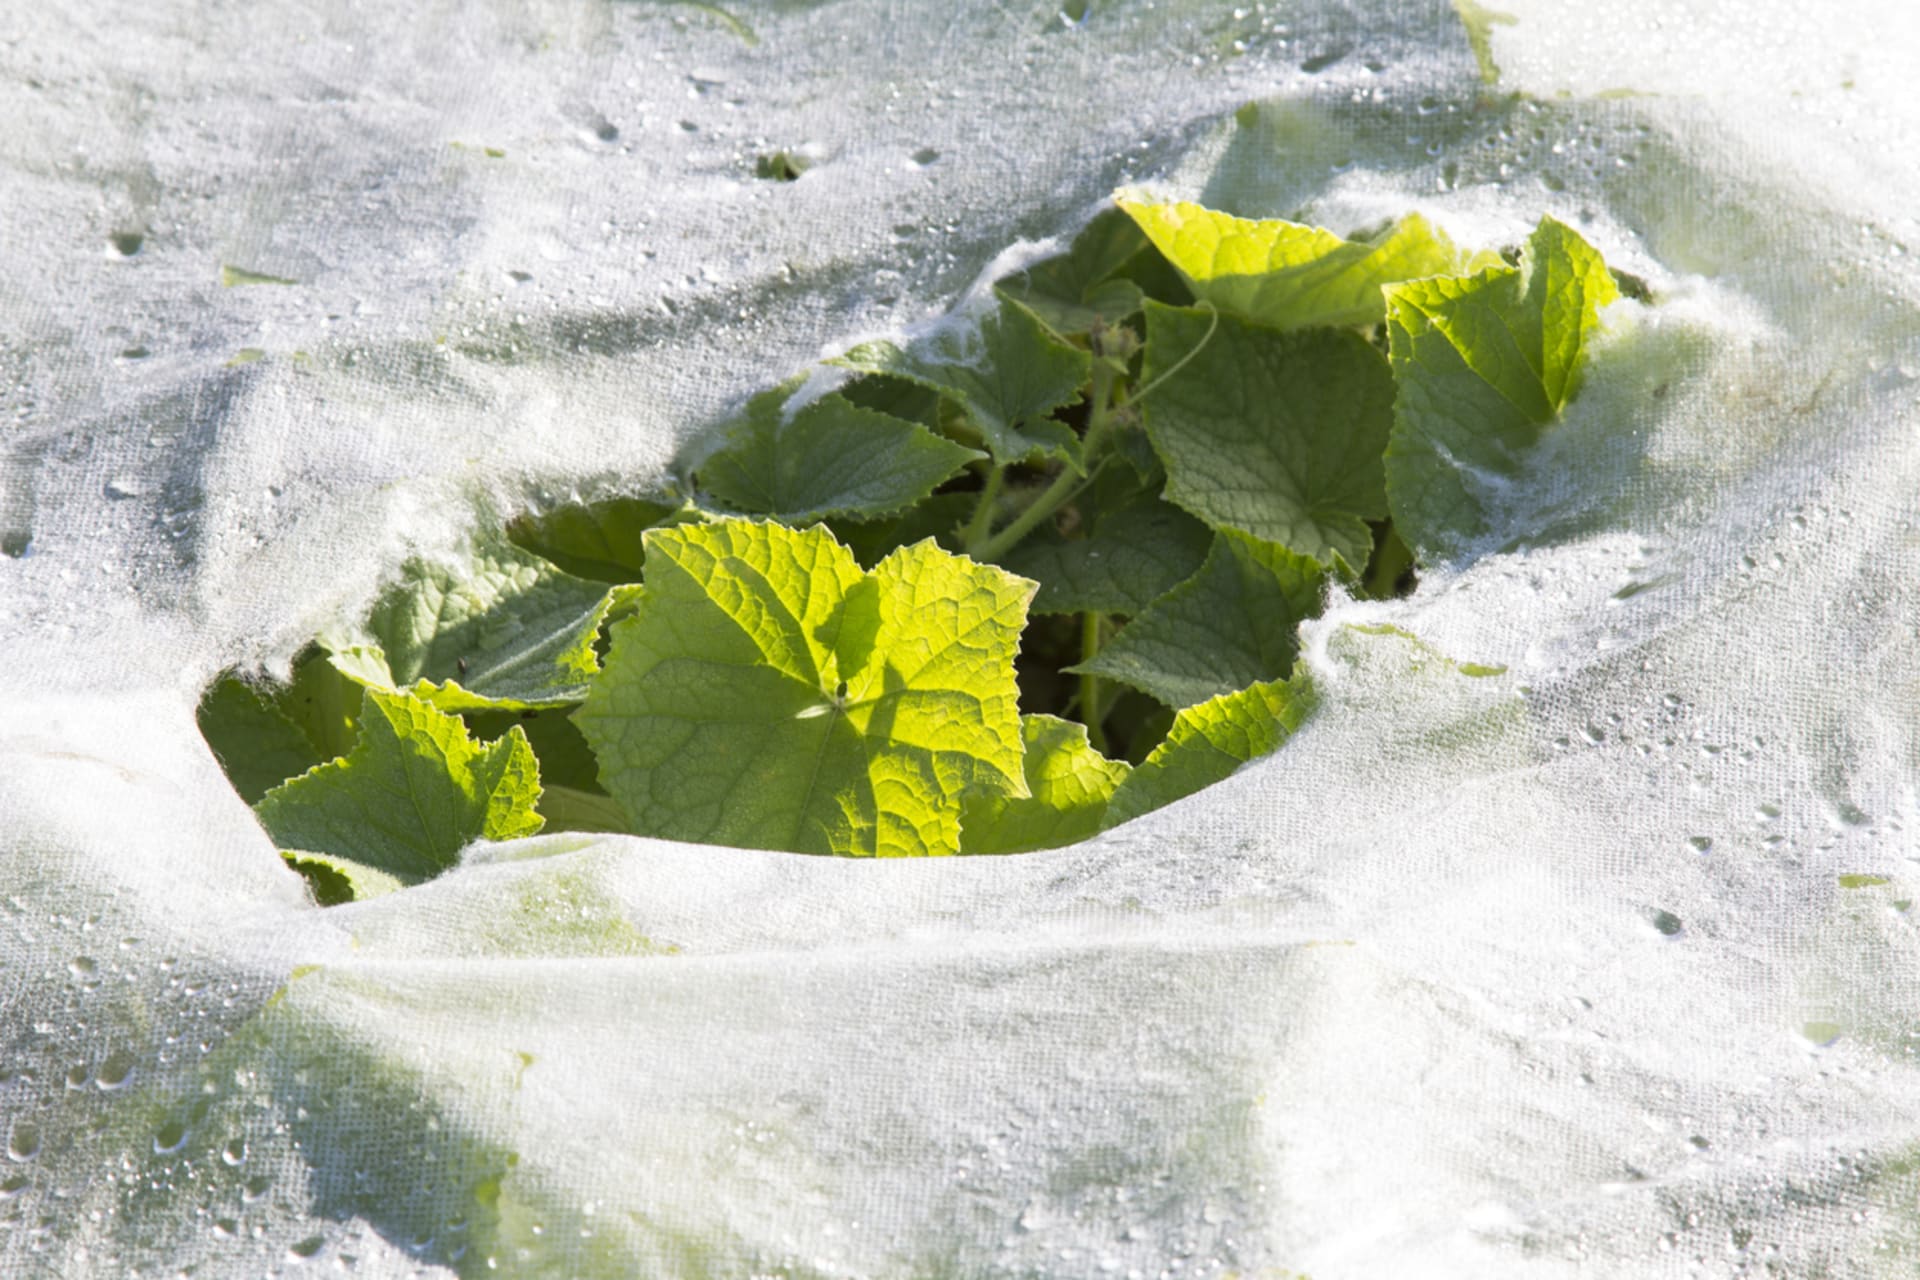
{"type": "Point", "coordinates": [600, 540]}
{"type": "Point", "coordinates": [829, 458]}
{"type": "Point", "coordinates": [255, 742]}
{"type": "Point", "coordinates": [1008, 371]}
{"type": "Point", "coordinates": [1278, 435]}
{"type": "Point", "coordinates": [1233, 623]}
{"type": "Point", "coordinates": [1134, 554]}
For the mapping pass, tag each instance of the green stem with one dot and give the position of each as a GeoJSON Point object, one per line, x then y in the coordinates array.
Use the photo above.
{"type": "Point", "coordinates": [1092, 709]}
{"type": "Point", "coordinates": [1067, 483]}
{"type": "Point", "coordinates": [981, 526]}
{"type": "Point", "coordinates": [1212, 324]}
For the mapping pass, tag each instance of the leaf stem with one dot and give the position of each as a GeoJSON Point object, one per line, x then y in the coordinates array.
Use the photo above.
{"type": "Point", "coordinates": [980, 527]}
{"type": "Point", "coordinates": [1181, 363]}
{"type": "Point", "coordinates": [1092, 709]}
{"type": "Point", "coordinates": [1068, 482]}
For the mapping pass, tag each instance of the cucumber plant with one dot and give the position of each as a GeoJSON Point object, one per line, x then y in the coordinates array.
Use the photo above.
{"type": "Point", "coordinates": [1031, 575]}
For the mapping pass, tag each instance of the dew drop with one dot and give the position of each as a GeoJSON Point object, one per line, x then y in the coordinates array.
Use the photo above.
{"type": "Point", "coordinates": [171, 1137]}
{"type": "Point", "coordinates": [115, 1071]}
{"type": "Point", "coordinates": [23, 1144]}
{"type": "Point", "coordinates": [234, 1153]}
{"type": "Point", "coordinates": [83, 966]}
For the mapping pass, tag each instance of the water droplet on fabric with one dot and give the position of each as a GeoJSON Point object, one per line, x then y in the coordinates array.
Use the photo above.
{"type": "Point", "coordinates": [23, 1142]}
{"type": "Point", "coordinates": [234, 1153]}
{"type": "Point", "coordinates": [115, 1071]}
{"type": "Point", "coordinates": [171, 1137]}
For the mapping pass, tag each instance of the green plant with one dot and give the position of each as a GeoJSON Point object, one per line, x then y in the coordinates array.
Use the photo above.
{"type": "Point", "coordinates": [1030, 576]}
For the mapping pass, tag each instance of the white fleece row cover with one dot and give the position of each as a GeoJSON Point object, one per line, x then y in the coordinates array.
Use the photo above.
{"type": "Point", "coordinates": [1605, 966]}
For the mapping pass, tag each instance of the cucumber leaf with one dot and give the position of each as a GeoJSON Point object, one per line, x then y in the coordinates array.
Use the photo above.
{"type": "Point", "coordinates": [1233, 623]}
{"type": "Point", "coordinates": [940, 517]}
{"type": "Point", "coordinates": [572, 809]}
{"type": "Point", "coordinates": [323, 704]}
{"type": "Point", "coordinates": [1069, 784]}
{"type": "Point", "coordinates": [334, 880]}
{"type": "Point", "coordinates": [598, 540]}
{"type": "Point", "coordinates": [895, 397]}
{"type": "Point", "coordinates": [1134, 554]}
{"type": "Point", "coordinates": [413, 792]}
{"type": "Point", "coordinates": [1073, 291]}
{"type": "Point", "coordinates": [1208, 742]}
{"type": "Point", "coordinates": [571, 797]}
{"type": "Point", "coordinates": [1286, 275]}
{"type": "Point", "coordinates": [505, 630]}
{"type": "Point", "coordinates": [1482, 365]}
{"type": "Point", "coordinates": [1009, 372]}
{"type": "Point", "coordinates": [768, 693]}
{"type": "Point", "coordinates": [1278, 435]}
{"type": "Point", "coordinates": [829, 458]}
{"type": "Point", "coordinates": [257, 745]}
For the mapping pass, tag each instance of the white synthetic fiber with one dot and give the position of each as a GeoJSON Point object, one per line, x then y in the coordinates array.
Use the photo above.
{"type": "Point", "coordinates": [1604, 965]}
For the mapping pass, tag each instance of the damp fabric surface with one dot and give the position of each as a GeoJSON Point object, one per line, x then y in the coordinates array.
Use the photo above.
{"type": "Point", "coordinates": [1603, 965]}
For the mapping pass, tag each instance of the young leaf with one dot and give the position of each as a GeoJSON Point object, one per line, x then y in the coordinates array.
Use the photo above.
{"type": "Point", "coordinates": [1484, 363]}
{"type": "Point", "coordinates": [1070, 292]}
{"type": "Point", "coordinates": [1070, 784]}
{"type": "Point", "coordinates": [255, 742]}
{"type": "Point", "coordinates": [1234, 622]}
{"type": "Point", "coordinates": [1287, 276]}
{"type": "Point", "coordinates": [599, 540]}
{"type": "Point", "coordinates": [1009, 373]}
{"type": "Point", "coordinates": [770, 694]}
{"type": "Point", "coordinates": [505, 630]}
{"type": "Point", "coordinates": [1276, 434]}
{"type": "Point", "coordinates": [1209, 742]}
{"type": "Point", "coordinates": [1134, 554]}
{"type": "Point", "coordinates": [411, 794]}
{"type": "Point", "coordinates": [830, 458]}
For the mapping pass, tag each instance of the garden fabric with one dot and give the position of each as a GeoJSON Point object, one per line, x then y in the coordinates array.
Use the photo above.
{"type": "Point", "coordinates": [1603, 965]}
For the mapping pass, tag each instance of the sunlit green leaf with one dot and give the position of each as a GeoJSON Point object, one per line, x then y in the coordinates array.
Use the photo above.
{"type": "Point", "coordinates": [768, 693]}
